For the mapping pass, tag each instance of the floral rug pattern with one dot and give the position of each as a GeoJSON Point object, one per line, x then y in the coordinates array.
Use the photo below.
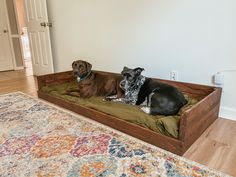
{"type": "Point", "coordinates": [38, 139]}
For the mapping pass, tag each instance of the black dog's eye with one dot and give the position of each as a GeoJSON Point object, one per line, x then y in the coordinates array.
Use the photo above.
{"type": "Point", "coordinates": [126, 75]}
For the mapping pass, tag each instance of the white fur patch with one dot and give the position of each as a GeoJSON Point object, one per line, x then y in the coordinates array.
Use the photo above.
{"type": "Point", "coordinates": [118, 100]}
{"type": "Point", "coordinates": [78, 79]}
{"type": "Point", "coordinates": [146, 109]}
{"type": "Point", "coordinates": [150, 98]}
{"type": "Point", "coordinates": [113, 96]}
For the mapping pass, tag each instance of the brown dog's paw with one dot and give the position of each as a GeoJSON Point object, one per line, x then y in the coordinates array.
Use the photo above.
{"type": "Point", "coordinates": [72, 92]}
{"type": "Point", "coordinates": [64, 93]}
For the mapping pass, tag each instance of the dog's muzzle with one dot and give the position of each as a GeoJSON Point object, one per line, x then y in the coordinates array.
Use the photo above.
{"type": "Point", "coordinates": [75, 73]}
{"type": "Point", "coordinates": [124, 85]}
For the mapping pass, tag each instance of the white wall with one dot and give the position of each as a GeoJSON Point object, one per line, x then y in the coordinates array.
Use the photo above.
{"type": "Point", "coordinates": [195, 37]}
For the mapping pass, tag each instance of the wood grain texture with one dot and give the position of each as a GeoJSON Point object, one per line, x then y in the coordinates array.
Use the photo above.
{"type": "Point", "coordinates": [196, 120]}
{"type": "Point", "coordinates": [216, 147]}
{"type": "Point", "coordinates": [20, 80]}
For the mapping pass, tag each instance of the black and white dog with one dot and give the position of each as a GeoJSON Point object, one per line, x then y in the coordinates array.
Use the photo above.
{"type": "Point", "coordinates": [159, 98]}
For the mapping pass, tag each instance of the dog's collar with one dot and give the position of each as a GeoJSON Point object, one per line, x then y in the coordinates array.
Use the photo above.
{"type": "Point", "coordinates": [131, 94]}
{"type": "Point", "coordinates": [83, 78]}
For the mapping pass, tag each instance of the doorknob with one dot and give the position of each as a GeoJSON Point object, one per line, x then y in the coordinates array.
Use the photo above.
{"type": "Point", "coordinates": [5, 31]}
{"type": "Point", "coordinates": [44, 24]}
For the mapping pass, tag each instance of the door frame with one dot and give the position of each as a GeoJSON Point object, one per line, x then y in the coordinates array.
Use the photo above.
{"type": "Point", "coordinates": [18, 35]}
{"type": "Point", "coordinates": [14, 36]}
{"type": "Point", "coordinates": [9, 35]}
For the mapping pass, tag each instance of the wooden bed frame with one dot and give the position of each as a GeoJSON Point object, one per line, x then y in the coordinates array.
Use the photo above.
{"type": "Point", "coordinates": [193, 122]}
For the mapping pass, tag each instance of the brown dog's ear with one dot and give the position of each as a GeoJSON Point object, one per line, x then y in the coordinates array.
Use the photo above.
{"type": "Point", "coordinates": [138, 70]}
{"type": "Point", "coordinates": [89, 66]}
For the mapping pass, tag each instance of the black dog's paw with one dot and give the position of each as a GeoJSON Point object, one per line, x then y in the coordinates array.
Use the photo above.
{"type": "Point", "coordinates": [146, 110]}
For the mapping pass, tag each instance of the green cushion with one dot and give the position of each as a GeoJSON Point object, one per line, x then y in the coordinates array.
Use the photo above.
{"type": "Point", "coordinates": [167, 125]}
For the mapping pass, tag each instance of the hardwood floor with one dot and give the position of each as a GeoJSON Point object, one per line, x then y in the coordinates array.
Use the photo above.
{"type": "Point", "coordinates": [20, 80]}
{"type": "Point", "coordinates": [216, 148]}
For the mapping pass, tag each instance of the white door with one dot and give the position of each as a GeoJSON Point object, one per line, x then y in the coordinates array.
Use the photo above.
{"type": "Point", "coordinates": [6, 58]}
{"type": "Point", "coordinates": [39, 36]}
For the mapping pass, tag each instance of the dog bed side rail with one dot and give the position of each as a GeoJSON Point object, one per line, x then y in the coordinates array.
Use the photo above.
{"type": "Point", "coordinates": [54, 79]}
{"type": "Point", "coordinates": [196, 120]}
{"type": "Point", "coordinates": [197, 91]}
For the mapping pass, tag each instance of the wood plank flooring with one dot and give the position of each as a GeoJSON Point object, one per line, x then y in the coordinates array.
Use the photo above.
{"type": "Point", "coordinates": [216, 148]}
{"type": "Point", "coordinates": [20, 80]}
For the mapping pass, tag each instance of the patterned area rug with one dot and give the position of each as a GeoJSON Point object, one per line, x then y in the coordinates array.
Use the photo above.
{"type": "Point", "coordinates": [39, 139]}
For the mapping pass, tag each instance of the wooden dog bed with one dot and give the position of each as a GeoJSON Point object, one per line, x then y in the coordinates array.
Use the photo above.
{"type": "Point", "coordinates": [192, 122]}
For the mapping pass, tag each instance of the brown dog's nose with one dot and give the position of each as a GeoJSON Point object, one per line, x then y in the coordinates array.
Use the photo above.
{"type": "Point", "coordinates": [81, 70]}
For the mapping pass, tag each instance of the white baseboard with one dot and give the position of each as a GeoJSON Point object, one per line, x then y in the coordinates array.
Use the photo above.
{"type": "Point", "coordinates": [19, 67]}
{"type": "Point", "coordinates": [227, 113]}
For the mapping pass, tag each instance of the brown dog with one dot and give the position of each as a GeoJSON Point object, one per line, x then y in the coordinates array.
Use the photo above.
{"type": "Point", "coordinates": [92, 83]}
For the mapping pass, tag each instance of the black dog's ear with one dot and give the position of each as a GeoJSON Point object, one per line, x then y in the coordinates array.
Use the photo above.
{"type": "Point", "coordinates": [125, 68]}
{"type": "Point", "coordinates": [89, 66]}
{"type": "Point", "coordinates": [138, 70]}
{"type": "Point", "coordinates": [73, 64]}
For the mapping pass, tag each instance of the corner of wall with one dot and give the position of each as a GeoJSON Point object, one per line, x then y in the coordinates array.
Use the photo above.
{"type": "Point", "coordinates": [227, 113]}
